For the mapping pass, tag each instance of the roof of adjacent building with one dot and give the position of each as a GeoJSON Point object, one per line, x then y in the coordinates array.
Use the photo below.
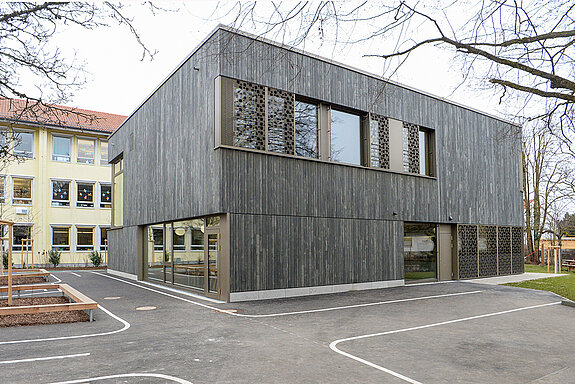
{"type": "Point", "coordinates": [31, 112]}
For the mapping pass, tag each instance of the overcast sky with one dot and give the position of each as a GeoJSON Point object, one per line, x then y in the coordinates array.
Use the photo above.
{"type": "Point", "coordinates": [118, 82]}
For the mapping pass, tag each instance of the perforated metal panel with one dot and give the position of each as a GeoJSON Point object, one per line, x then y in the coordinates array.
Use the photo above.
{"type": "Point", "coordinates": [504, 250]}
{"type": "Point", "coordinates": [467, 251]}
{"type": "Point", "coordinates": [379, 141]}
{"type": "Point", "coordinates": [280, 121]}
{"type": "Point", "coordinates": [517, 262]}
{"type": "Point", "coordinates": [249, 115]}
{"type": "Point", "coordinates": [410, 148]}
{"type": "Point", "coordinates": [487, 247]}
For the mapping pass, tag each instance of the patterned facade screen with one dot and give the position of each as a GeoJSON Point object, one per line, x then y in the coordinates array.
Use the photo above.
{"type": "Point", "coordinates": [504, 250]}
{"type": "Point", "coordinates": [467, 251]}
{"type": "Point", "coordinates": [379, 141]}
{"type": "Point", "coordinates": [249, 116]}
{"type": "Point", "coordinates": [489, 250]}
{"type": "Point", "coordinates": [281, 121]}
{"type": "Point", "coordinates": [487, 247]}
{"type": "Point", "coordinates": [517, 262]}
{"type": "Point", "coordinates": [410, 148]}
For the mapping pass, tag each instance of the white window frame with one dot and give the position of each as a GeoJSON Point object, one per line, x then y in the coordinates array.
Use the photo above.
{"type": "Point", "coordinates": [52, 201]}
{"type": "Point", "coordinates": [31, 199]}
{"type": "Point", "coordinates": [70, 138]}
{"type": "Point", "coordinates": [18, 247]}
{"type": "Point", "coordinates": [3, 196]}
{"type": "Point", "coordinates": [93, 183]}
{"type": "Point", "coordinates": [104, 162]}
{"type": "Point", "coordinates": [15, 132]}
{"type": "Point", "coordinates": [100, 246]}
{"type": "Point", "coordinates": [93, 160]}
{"type": "Point", "coordinates": [89, 248]}
{"type": "Point", "coordinates": [100, 195]}
{"type": "Point", "coordinates": [52, 246]}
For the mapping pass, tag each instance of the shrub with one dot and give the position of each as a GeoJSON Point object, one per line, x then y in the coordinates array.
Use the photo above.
{"type": "Point", "coordinates": [5, 259]}
{"type": "Point", "coordinates": [95, 258]}
{"type": "Point", "coordinates": [54, 257]}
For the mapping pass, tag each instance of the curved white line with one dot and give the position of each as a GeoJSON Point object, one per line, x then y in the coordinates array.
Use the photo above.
{"type": "Point", "coordinates": [44, 358]}
{"type": "Point", "coordinates": [125, 327]}
{"type": "Point", "coordinates": [333, 344]}
{"type": "Point", "coordinates": [288, 313]}
{"type": "Point", "coordinates": [156, 375]}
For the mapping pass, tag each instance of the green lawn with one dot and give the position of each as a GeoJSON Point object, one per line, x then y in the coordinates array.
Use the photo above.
{"type": "Point", "coordinates": [540, 269]}
{"type": "Point", "coordinates": [564, 285]}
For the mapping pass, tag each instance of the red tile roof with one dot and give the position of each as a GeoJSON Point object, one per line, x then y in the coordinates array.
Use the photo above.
{"type": "Point", "coordinates": [32, 112]}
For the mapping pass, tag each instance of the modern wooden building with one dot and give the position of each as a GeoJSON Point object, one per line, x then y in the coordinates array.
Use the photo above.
{"type": "Point", "coordinates": [256, 170]}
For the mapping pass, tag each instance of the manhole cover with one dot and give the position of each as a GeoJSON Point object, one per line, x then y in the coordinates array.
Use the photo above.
{"type": "Point", "coordinates": [112, 298]}
{"type": "Point", "coordinates": [146, 308]}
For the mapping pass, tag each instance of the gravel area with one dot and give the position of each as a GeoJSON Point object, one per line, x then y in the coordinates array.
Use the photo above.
{"type": "Point", "coordinates": [22, 280]}
{"type": "Point", "coordinates": [41, 318]}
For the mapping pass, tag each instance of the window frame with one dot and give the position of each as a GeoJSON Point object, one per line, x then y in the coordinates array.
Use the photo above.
{"type": "Point", "coordinates": [78, 158]}
{"type": "Point", "coordinates": [363, 137]}
{"type": "Point", "coordinates": [104, 162]}
{"type": "Point", "coordinates": [30, 199]}
{"type": "Point", "coordinates": [57, 203]}
{"type": "Point", "coordinates": [15, 151]}
{"type": "Point", "coordinates": [84, 203]}
{"type": "Point", "coordinates": [61, 248]}
{"type": "Point", "coordinates": [62, 136]}
{"type": "Point", "coordinates": [18, 247]}
{"type": "Point", "coordinates": [103, 247]}
{"type": "Point", "coordinates": [3, 179]}
{"type": "Point", "coordinates": [105, 205]}
{"type": "Point", "coordinates": [117, 211]}
{"type": "Point", "coordinates": [84, 247]}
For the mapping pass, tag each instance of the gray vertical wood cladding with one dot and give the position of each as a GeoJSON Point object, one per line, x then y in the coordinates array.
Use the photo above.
{"type": "Point", "coordinates": [477, 156]}
{"type": "Point", "coordinates": [295, 222]}
{"type": "Point", "coordinates": [270, 252]}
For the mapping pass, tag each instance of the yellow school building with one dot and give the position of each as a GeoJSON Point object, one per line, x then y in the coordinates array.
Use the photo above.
{"type": "Point", "coordinates": [57, 189]}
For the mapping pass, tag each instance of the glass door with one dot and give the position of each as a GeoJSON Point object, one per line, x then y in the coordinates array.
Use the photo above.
{"type": "Point", "coordinates": [212, 249]}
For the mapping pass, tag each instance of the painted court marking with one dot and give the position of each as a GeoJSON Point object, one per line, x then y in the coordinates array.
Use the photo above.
{"type": "Point", "coordinates": [125, 327]}
{"type": "Point", "coordinates": [75, 274]}
{"type": "Point", "coordinates": [155, 375]}
{"type": "Point", "coordinates": [333, 344]}
{"type": "Point", "coordinates": [44, 358]}
{"type": "Point", "coordinates": [233, 313]}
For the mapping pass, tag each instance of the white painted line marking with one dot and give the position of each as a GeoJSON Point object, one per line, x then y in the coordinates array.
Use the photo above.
{"type": "Point", "coordinates": [233, 313]}
{"type": "Point", "coordinates": [333, 344]}
{"type": "Point", "coordinates": [75, 274]}
{"type": "Point", "coordinates": [181, 292]}
{"type": "Point", "coordinates": [125, 327]}
{"type": "Point", "coordinates": [44, 358]}
{"type": "Point", "coordinates": [155, 375]}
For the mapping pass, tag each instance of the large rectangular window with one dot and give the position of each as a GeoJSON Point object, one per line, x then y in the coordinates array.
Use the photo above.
{"type": "Point", "coordinates": [23, 144]}
{"type": "Point", "coordinates": [85, 239]}
{"type": "Point", "coordinates": [306, 129]}
{"type": "Point", "coordinates": [61, 148]}
{"type": "Point", "coordinates": [103, 152]}
{"type": "Point", "coordinates": [22, 191]}
{"type": "Point", "coordinates": [86, 151]}
{"type": "Point", "coordinates": [2, 186]}
{"type": "Point", "coordinates": [280, 119]}
{"type": "Point", "coordinates": [85, 196]}
{"type": "Point", "coordinates": [20, 233]}
{"type": "Point", "coordinates": [345, 137]}
{"type": "Point", "coordinates": [60, 193]}
{"type": "Point", "coordinates": [105, 196]}
{"type": "Point", "coordinates": [61, 238]}
{"type": "Point", "coordinates": [420, 251]}
{"type": "Point", "coordinates": [249, 116]}
{"type": "Point", "coordinates": [118, 193]}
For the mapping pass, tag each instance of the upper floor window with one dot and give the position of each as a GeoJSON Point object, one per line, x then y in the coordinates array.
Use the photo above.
{"type": "Point", "coordinates": [85, 196]}
{"type": "Point", "coordinates": [418, 144]}
{"type": "Point", "coordinates": [345, 137]}
{"type": "Point", "coordinates": [60, 193]}
{"type": "Point", "coordinates": [306, 129]}
{"type": "Point", "coordinates": [23, 144]}
{"type": "Point", "coordinates": [22, 191]}
{"type": "Point", "coordinates": [249, 116]}
{"type": "Point", "coordinates": [118, 192]}
{"type": "Point", "coordinates": [105, 196]}
{"type": "Point", "coordinates": [379, 141]}
{"type": "Point", "coordinates": [61, 148]}
{"type": "Point", "coordinates": [103, 152]}
{"type": "Point", "coordinates": [86, 149]}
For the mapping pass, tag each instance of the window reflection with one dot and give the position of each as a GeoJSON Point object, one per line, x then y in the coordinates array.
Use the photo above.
{"type": "Point", "coordinates": [306, 129]}
{"type": "Point", "coordinates": [345, 137]}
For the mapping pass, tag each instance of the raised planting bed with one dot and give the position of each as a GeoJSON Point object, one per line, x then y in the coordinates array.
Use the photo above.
{"type": "Point", "coordinates": [52, 308]}
{"type": "Point", "coordinates": [25, 276]}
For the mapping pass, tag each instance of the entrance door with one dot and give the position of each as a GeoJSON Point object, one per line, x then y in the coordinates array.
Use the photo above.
{"type": "Point", "coordinates": [445, 252]}
{"type": "Point", "coordinates": [212, 251]}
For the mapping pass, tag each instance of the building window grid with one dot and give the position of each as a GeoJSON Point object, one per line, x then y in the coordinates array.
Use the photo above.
{"type": "Point", "coordinates": [61, 238]}
{"type": "Point", "coordinates": [105, 195]}
{"type": "Point", "coordinates": [24, 144]}
{"type": "Point", "coordinates": [85, 151]}
{"type": "Point", "coordinates": [271, 129]}
{"type": "Point", "coordinates": [85, 195]}
{"type": "Point", "coordinates": [21, 191]}
{"type": "Point", "coordinates": [61, 148]}
{"type": "Point", "coordinates": [60, 193]}
{"type": "Point", "coordinates": [84, 238]}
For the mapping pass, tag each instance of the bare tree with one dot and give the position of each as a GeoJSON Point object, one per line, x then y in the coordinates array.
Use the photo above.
{"type": "Point", "coordinates": [522, 49]}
